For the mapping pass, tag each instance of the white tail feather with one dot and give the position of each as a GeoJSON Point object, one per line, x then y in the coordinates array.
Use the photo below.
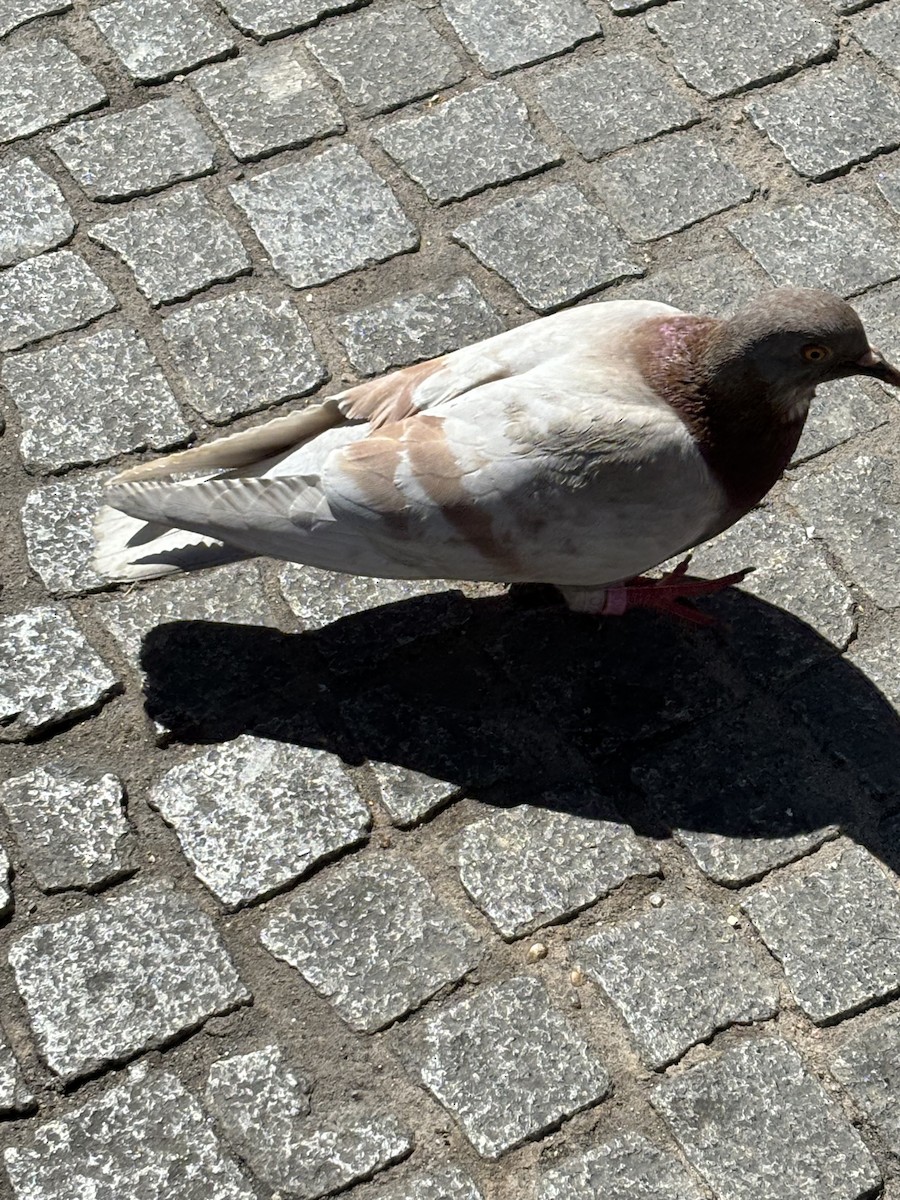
{"type": "Point", "coordinates": [127, 548]}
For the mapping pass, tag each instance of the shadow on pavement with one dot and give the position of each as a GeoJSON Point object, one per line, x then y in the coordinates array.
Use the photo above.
{"type": "Point", "coordinates": [755, 730]}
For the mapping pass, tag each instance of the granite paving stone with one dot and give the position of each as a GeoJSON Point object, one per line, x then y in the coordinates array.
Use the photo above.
{"type": "Point", "coordinates": [504, 34]}
{"type": "Point", "coordinates": [269, 18]}
{"type": "Point", "coordinates": [738, 824]}
{"type": "Point", "coordinates": [47, 295]}
{"type": "Point", "coordinates": [409, 796]}
{"type": "Point", "coordinates": [877, 310]}
{"type": "Point", "coordinates": [125, 975]}
{"type": "Point", "coordinates": [374, 939]}
{"type": "Point", "coordinates": [875, 653]}
{"type": "Point", "coordinates": [526, 867]}
{"type": "Point", "coordinates": [605, 103]}
{"type": "Point", "coordinates": [878, 32]}
{"type": "Point", "coordinates": [34, 215]}
{"type": "Point", "coordinates": [157, 39]}
{"type": "Point", "coordinates": [886, 175]}
{"type": "Point", "coordinates": [842, 243]}
{"type": "Point", "coordinates": [841, 411]}
{"type": "Point", "coordinates": [832, 928]}
{"type": "Point", "coordinates": [6, 896]}
{"type": "Point", "coordinates": [830, 118]}
{"type": "Point", "coordinates": [668, 184]}
{"type": "Point", "coordinates": [264, 1109]}
{"type": "Point", "coordinates": [111, 381]}
{"type": "Point", "coordinates": [14, 13]}
{"type": "Point", "coordinates": [754, 1123]}
{"type": "Point", "coordinates": [850, 505]}
{"type": "Point", "coordinates": [678, 974]}
{"type": "Point", "coordinates": [470, 142]}
{"type": "Point", "coordinates": [42, 83]}
{"type": "Point", "coordinates": [268, 101]}
{"type": "Point", "coordinates": [320, 219]}
{"type": "Point", "coordinates": [69, 824]}
{"type": "Point", "coordinates": [423, 325]}
{"type": "Point", "coordinates": [718, 284]}
{"type": "Point", "coordinates": [626, 1168]}
{"type": "Point", "coordinates": [175, 247]}
{"type": "Point", "coordinates": [135, 1140]}
{"type": "Point", "coordinates": [493, 1059]}
{"type": "Point", "coordinates": [234, 594]}
{"type": "Point", "coordinates": [254, 815]}
{"type": "Point", "coordinates": [240, 353]}
{"type": "Point", "coordinates": [720, 49]}
{"type": "Point", "coordinates": [867, 1065]}
{"type": "Point", "coordinates": [141, 150]}
{"type": "Point", "coordinates": [553, 246]}
{"type": "Point", "coordinates": [57, 521]}
{"type": "Point", "coordinates": [369, 54]}
{"type": "Point", "coordinates": [49, 673]}
{"type": "Point", "coordinates": [15, 1095]}
{"type": "Point", "coordinates": [445, 1183]}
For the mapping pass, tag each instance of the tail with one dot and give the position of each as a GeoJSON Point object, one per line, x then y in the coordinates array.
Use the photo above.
{"type": "Point", "coordinates": [127, 549]}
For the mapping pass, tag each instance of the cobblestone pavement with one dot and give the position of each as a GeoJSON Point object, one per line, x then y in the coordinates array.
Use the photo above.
{"type": "Point", "coordinates": [437, 892]}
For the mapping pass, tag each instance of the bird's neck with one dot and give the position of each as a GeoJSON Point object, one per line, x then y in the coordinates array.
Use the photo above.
{"type": "Point", "coordinates": [745, 426]}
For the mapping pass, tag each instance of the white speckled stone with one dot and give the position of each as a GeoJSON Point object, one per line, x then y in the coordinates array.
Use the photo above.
{"type": "Point", "coordinates": [14, 13]}
{"type": "Point", "coordinates": [34, 215]}
{"type": "Point", "coordinates": [627, 1168]}
{"type": "Point", "coordinates": [15, 1095]}
{"type": "Point", "coordinates": [156, 39]}
{"type": "Point", "coordinates": [503, 34]}
{"type": "Point", "coordinates": [47, 295]}
{"type": "Point", "coordinates": [41, 83]}
{"type": "Point", "coordinates": [58, 521]}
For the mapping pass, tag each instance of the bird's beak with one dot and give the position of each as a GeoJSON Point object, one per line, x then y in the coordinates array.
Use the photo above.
{"type": "Point", "coordinates": [873, 364]}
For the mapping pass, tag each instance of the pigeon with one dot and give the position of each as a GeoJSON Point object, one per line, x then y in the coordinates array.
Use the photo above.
{"type": "Point", "coordinates": [580, 449]}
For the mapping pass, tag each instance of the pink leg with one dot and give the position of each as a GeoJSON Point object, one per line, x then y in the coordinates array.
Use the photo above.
{"type": "Point", "coordinates": [671, 594]}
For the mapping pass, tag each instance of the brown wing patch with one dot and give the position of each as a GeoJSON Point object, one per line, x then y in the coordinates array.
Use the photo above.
{"type": "Point", "coordinates": [383, 401]}
{"type": "Point", "coordinates": [372, 464]}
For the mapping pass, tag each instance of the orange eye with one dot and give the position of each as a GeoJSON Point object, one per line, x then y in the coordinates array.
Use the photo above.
{"type": "Point", "coordinates": [816, 354]}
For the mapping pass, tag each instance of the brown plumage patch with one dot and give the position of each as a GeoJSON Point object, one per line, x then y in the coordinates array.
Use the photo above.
{"type": "Point", "coordinates": [383, 401]}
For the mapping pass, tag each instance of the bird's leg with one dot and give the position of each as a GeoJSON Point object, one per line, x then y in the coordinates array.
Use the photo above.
{"type": "Point", "coordinates": [671, 594]}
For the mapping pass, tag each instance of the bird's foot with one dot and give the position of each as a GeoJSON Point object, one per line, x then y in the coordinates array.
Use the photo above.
{"type": "Point", "coordinates": [671, 594]}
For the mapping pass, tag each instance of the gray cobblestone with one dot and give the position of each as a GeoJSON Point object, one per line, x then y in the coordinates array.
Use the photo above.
{"type": "Point", "coordinates": [178, 246]}
{"type": "Point", "coordinates": [850, 505]}
{"type": "Point", "coordinates": [831, 927]}
{"type": "Point", "coordinates": [447, 1183]}
{"type": "Point", "coordinates": [876, 652]}
{"type": "Point", "coordinates": [677, 975]}
{"type": "Point", "coordinates": [503, 34]}
{"type": "Point", "coordinates": [127, 974]}
{"type": "Point", "coordinates": [15, 1095]}
{"type": "Point", "coordinates": [34, 215]}
{"type": "Point", "coordinates": [627, 1168]}
{"type": "Point", "coordinates": [264, 1109]}
{"type": "Point", "coordinates": [157, 39]}
{"type": "Point", "coordinates": [319, 219]}
{"type": "Point", "coordinates": [528, 867]}
{"type": "Point", "coordinates": [374, 939]}
{"type": "Point", "coordinates": [879, 33]}
{"type": "Point", "coordinates": [840, 242]}
{"type": "Point", "coordinates": [669, 184]}
{"type": "Point", "coordinates": [410, 328]}
{"type": "Point", "coordinates": [721, 49]}
{"type": "Point", "coordinates": [240, 353]}
{"type": "Point", "coordinates": [552, 247]}
{"type": "Point", "coordinates": [14, 13]}
{"type": "Point", "coordinates": [57, 521]}
{"type": "Point", "coordinates": [6, 896]}
{"type": "Point", "coordinates": [754, 1122]}
{"type": "Point", "coordinates": [468, 143]}
{"type": "Point", "coordinates": [267, 102]}
{"type": "Point", "coordinates": [42, 83]}
{"type": "Point", "coordinates": [268, 18]}
{"type": "Point", "coordinates": [878, 309]}
{"type": "Point", "coordinates": [887, 180]}
{"type": "Point", "coordinates": [133, 1141]}
{"type": "Point", "coordinates": [867, 1064]}
{"type": "Point", "coordinates": [764, 823]}
{"type": "Point", "coordinates": [494, 1059]}
{"type": "Point", "coordinates": [410, 796]}
{"type": "Point", "coordinates": [830, 118]}
{"type": "Point", "coordinates": [841, 411]}
{"type": "Point", "coordinates": [141, 150]}
{"type": "Point", "coordinates": [114, 385]}
{"type": "Point", "coordinates": [69, 825]}
{"type": "Point", "coordinates": [605, 103]}
{"type": "Point", "coordinates": [370, 53]}
{"type": "Point", "coordinates": [717, 283]}
{"type": "Point", "coordinates": [254, 815]}
{"type": "Point", "coordinates": [48, 672]}
{"type": "Point", "coordinates": [47, 295]}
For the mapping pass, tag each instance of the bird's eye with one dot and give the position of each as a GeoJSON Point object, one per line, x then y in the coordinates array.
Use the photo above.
{"type": "Point", "coordinates": [816, 354]}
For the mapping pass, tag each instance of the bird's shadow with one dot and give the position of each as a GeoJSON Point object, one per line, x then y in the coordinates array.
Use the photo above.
{"type": "Point", "coordinates": [756, 731]}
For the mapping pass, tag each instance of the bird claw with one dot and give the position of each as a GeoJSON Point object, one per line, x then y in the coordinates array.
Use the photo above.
{"type": "Point", "coordinates": [671, 594]}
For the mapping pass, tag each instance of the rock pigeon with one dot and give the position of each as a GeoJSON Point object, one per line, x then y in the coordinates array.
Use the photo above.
{"type": "Point", "coordinates": [579, 449]}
